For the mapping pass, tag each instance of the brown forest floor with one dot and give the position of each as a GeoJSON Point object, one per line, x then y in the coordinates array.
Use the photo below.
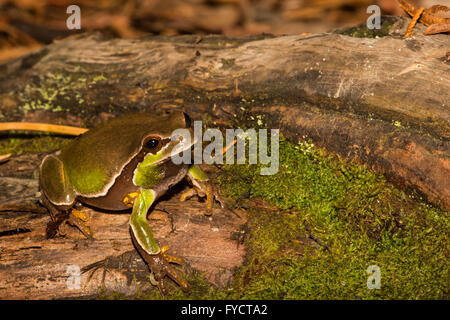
{"type": "Point", "coordinates": [26, 25]}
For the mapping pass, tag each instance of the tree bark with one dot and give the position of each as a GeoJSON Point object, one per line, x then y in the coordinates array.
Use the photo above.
{"type": "Point", "coordinates": [383, 102]}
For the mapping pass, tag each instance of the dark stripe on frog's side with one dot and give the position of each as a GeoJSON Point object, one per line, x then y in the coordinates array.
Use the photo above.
{"type": "Point", "coordinates": [121, 187]}
{"type": "Point", "coordinates": [113, 200]}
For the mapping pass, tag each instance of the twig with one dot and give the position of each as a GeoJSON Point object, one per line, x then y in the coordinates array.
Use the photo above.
{"type": "Point", "coordinates": [32, 126]}
{"type": "Point", "coordinates": [427, 17]}
{"type": "Point", "coordinates": [315, 239]}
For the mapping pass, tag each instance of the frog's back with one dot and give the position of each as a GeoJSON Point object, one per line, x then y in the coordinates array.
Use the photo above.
{"type": "Point", "coordinates": [95, 159]}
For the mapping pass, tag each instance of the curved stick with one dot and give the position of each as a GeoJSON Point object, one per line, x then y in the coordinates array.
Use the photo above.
{"type": "Point", "coordinates": [33, 126]}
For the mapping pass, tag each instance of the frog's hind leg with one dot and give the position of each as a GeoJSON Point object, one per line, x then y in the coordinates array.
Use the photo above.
{"type": "Point", "coordinates": [58, 196]}
{"type": "Point", "coordinates": [60, 216]}
{"type": "Point", "coordinates": [202, 188]}
{"type": "Point", "coordinates": [57, 215]}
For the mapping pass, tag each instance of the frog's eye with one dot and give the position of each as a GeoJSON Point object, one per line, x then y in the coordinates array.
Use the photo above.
{"type": "Point", "coordinates": [152, 143]}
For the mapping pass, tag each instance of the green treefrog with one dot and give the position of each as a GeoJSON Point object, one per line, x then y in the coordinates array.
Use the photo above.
{"type": "Point", "coordinates": [124, 163]}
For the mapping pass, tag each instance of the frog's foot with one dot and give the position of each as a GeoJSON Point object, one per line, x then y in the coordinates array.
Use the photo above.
{"type": "Point", "coordinates": [171, 259]}
{"type": "Point", "coordinates": [204, 189]}
{"type": "Point", "coordinates": [79, 220]}
{"type": "Point", "coordinates": [53, 225]}
{"type": "Point", "coordinates": [159, 264]}
{"type": "Point", "coordinates": [72, 217]}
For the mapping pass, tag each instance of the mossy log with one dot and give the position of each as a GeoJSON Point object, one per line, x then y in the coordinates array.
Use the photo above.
{"type": "Point", "coordinates": [380, 100]}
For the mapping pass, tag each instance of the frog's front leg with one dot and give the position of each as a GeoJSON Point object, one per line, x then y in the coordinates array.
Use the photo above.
{"type": "Point", "coordinates": [144, 241]}
{"type": "Point", "coordinates": [202, 188]}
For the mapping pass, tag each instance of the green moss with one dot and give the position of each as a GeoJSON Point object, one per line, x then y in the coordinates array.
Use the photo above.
{"type": "Point", "coordinates": [362, 219]}
{"type": "Point", "coordinates": [361, 31]}
{"type": "Point", "coordinates": [16, 143]}
{"type": "Point", "coordinates": [55, 90]}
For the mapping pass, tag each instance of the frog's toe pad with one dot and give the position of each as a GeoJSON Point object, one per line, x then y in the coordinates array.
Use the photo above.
{"type": "Point", "coordinates": [78, 219]}
{"type": "Point", "coordinates": [188, 194]}
{"type": "Point", "coordinates": [74, 218]}
{"type": "Point", "coordinates": [171, 259]}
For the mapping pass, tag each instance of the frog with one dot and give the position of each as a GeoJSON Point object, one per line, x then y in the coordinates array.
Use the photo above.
{"type": "Point", "coordinates": [124, 164]}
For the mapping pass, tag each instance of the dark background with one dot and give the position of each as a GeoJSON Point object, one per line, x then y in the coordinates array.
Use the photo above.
{"type": "Point", "coordinates": [26, 25]}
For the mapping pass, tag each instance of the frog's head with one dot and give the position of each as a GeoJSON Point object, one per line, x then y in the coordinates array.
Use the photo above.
{"type": "Point", "coordinates": [157, 150]}
{"type": "Point", "coordinates": [94, 160]}
{"type": "Point", "coordinates": [176, 137]}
